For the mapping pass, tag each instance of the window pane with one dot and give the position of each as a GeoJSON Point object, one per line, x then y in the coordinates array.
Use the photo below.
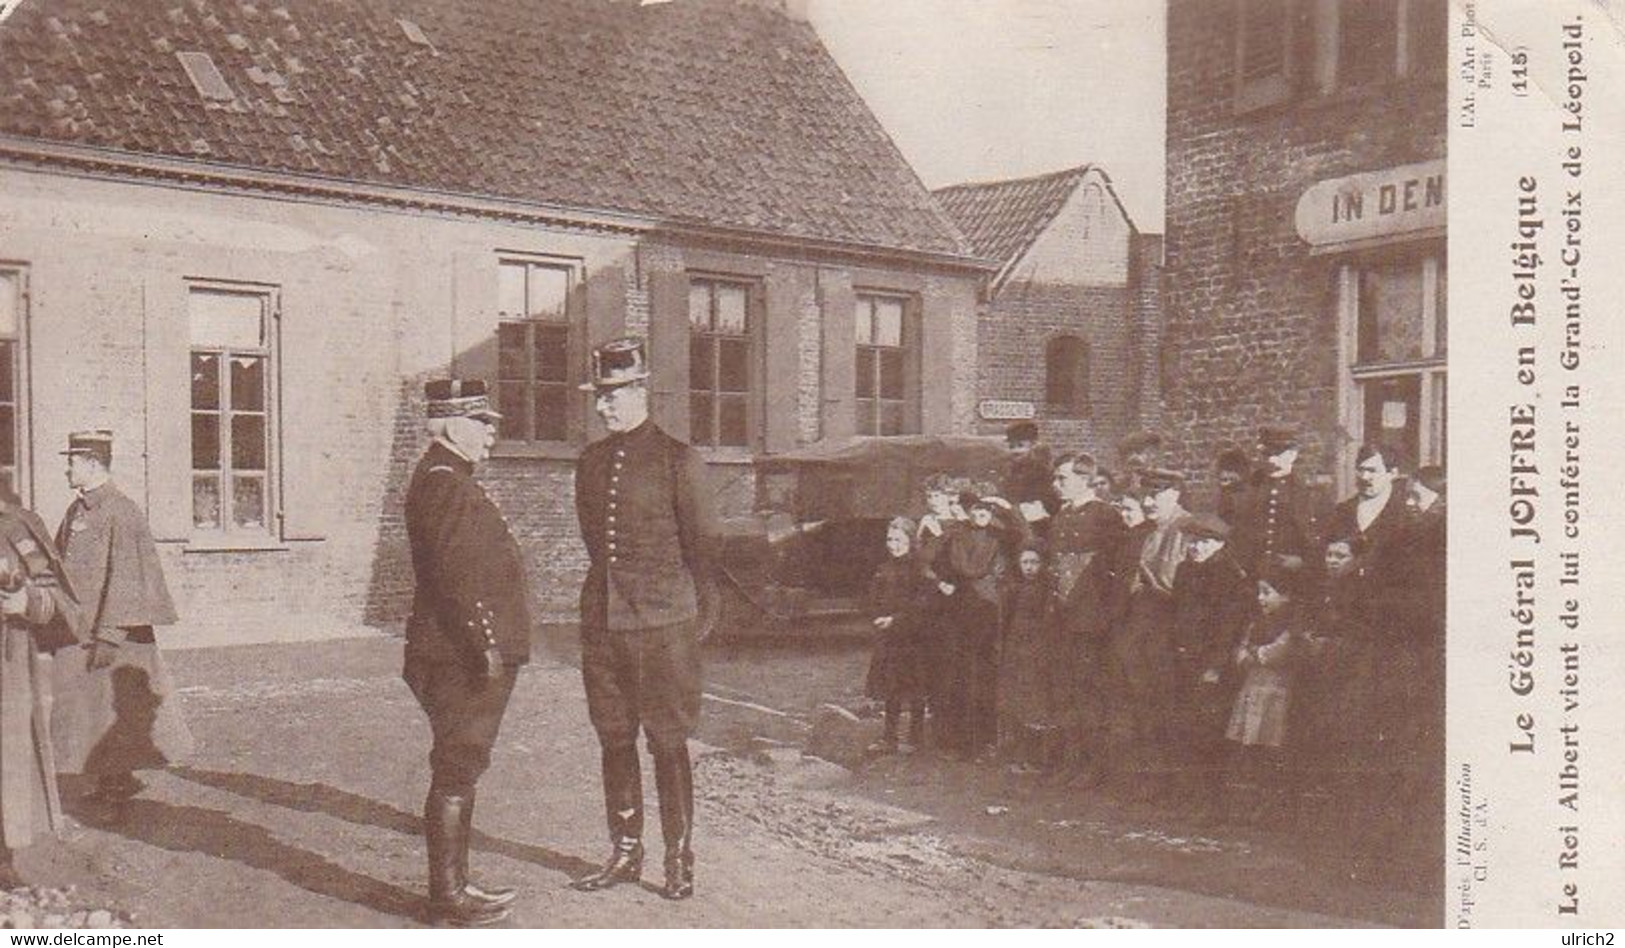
{"type": "Point", "coordinates": [514, 403]}
{"type": "Point", "coordinates": [227, 320]}
{"type": "Point", "coordinates": [732, 423]}
{"type": "Point", "coordinates": [205, 441]}
{"type": "Point", "coordinates": [205, 380]}
{"type": "Point", "coordinates": [699, 306]}
{"type": "Point", "coordinates": [248, 442]}
{"type": "Point", "coordinates": [891, 373]}
{"type": "Point", "coordinates": [1263, 29]}
{"type": "Point", "coordinates": [248, 383]}
{"type": "Point", "coordinates": [1391, 313]}
{"type": "Point", "coordinates": [867, 421]}
{"type": "Point", "coordinates": [10, 302]}
{"type": "Point", "coordinates": [8, 377]}
{"type": "Point", "coordinates": [513, 357]}
{"type": "Point", "coordinates": [549, 292]}
{"type": "Point", "coordinates": [248, 502]}
{"type": "Point", "coordinates": [206, 502]}
{"type": "Point", "coordinates": [891, 418]}
{"type": "Point", "coordinates": [8, 436]}
{"type": "Point", "coordinates": [511, 290]}
{"type": "Point", "coordinates": [864, 321]}
{"type": "Point", "coordinates": [699, 418]}
{"type": "Point", "coordinates": [1392, 412]}
{"type": "Point", "coordinates": [731, 301]}
{"type": "Point", "coordinates": [889, 322]}
{"type": "Point", "coordinates": [1367, 37]}
{"type": "Point", "coordinates": [702, 369]}
{"type": "Point", "coordinates": [552, 353]}
{"type": "Point", "coordinates": [733, 365]}
{"type": "Point", "coordinates": [865, 373]}
{"type": "Point", "coordinates": [552, 407]}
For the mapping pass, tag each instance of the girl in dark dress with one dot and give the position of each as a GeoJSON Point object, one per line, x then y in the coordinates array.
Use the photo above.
{"type": "Point", "coordinates": [898, 671]}
{"type": "Point", "coordinates": [1029, 717]}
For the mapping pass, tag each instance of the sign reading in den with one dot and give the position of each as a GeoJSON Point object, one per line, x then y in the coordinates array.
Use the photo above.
{"type": "Point", "coordinates": [1003, 409]}
{"type": "Point", "coordinates": [1387, 203]}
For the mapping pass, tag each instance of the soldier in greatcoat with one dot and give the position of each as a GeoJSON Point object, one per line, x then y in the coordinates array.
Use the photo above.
{"type": "Point", "coordinates": [116, 711]}
{"type": "Point", "coordinates": [38, 615]}
{"type": "Point", "coordinates": [468, 635]}
{"type": "Point", "coordinates": [646, 521]}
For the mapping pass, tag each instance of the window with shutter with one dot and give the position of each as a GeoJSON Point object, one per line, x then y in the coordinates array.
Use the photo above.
{"type": "Point", "coordinates": [233, 424]}
{"type": "Point", "coordinates": [1066, 377]}
{"type": "Point", "coordinates": [13, 439]}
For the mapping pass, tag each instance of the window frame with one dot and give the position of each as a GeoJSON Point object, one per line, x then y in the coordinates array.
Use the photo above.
{"type": "Point", "coordinates": [22, 460]}
{"type": "Point", "coordinates": [1082, 403]}
{"type": "Point", "coordinates": [753, 393]}
{"type": "Point", "coordinates": [1311, 58]}
{"type": "Point", "coordinates": [228, 531]}
{"type": "Point", "coordinates": [571, 322]}
{"type": "Point", "coordinates": [908, 352]}
{"type": "Point", "coordinates": [1431, 369]}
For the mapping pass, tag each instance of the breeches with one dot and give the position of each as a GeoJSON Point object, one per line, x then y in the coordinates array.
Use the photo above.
{"type": "Point", "coordinates": [465, 711]}
{"type": "Point", "coordinates": [642, 678]}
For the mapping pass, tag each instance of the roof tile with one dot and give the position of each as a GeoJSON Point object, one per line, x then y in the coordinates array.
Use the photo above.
{"type": "Point", "coordinates": [1001, 219]}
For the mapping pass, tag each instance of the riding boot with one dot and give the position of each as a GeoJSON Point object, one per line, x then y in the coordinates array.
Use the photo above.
{"type": "Point", "coordinates": [674, 782]}
{"type": "Point", "coordinates": [450, 904]}
{"type": "Point", "coordinates": [623, 806]}
{"type": "Point", "coordinates": [496, 895]}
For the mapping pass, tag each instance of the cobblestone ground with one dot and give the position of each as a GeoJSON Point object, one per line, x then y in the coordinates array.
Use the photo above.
{"type": "Point", "coordinates": [301, 810]}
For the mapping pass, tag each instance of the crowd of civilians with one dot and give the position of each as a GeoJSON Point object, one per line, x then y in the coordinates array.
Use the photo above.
{"type": "Point", "coordinates": [1277, 659]}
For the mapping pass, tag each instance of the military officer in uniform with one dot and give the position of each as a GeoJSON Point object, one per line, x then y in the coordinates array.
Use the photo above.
{"type": "Point", "coordinates": [1276, 521]}
{"type": "Point", "coordinates": [467, 637]}
{"type": "Point", "coordinates": [116, 711]}
{"type": "Point", "coordinates": [645, 519]}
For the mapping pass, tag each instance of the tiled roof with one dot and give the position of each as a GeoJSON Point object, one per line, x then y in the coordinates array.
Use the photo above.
{"type": "Point", "coordinates": [1001, 219]}
{"type": "Point", "coordinates": [715, 113]}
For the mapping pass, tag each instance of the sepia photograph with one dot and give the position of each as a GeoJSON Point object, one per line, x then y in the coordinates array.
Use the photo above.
{"type": "Point", "coordinates": [726, 463]}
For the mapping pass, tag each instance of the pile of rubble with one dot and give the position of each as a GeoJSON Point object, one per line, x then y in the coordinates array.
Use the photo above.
{"type": "Point", "coordinates": [38, 907]}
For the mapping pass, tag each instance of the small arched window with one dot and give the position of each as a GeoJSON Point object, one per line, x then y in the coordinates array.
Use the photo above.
{"type": "Point", "coordinates": [1066, 376]}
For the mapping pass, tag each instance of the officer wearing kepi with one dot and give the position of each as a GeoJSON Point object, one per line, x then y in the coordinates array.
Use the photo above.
{"type": "Point", "coordinates": [647, 525]}
{"type": "Point", "coordinates": [468, 635]}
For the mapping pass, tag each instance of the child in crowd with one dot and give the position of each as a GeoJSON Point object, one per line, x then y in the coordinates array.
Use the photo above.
{"type": "Point", "coordinates": [969, 572]}
{"type": "Point", "coordinates": [1339, 669]}
{"type": "Point", "coordinates": [937, 526]}
{"type": "Point", "coordinates": [897, 672]}
{"type": "Point", "coordinates": [1258, 722]}
{"type": "Point", "coordinates": [1029, 650]}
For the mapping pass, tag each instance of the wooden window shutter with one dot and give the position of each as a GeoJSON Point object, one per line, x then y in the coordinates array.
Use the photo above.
{"type": "Point", "coordinates": [306, 359]}
{"type": "Point", "coordinates": [668, 351]}
{"type": "Point", "coordinates": [1263, 54]}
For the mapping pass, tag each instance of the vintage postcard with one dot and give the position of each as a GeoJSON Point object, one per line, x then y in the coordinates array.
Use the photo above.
{"type": "Point", "coordinates": [810, 463]}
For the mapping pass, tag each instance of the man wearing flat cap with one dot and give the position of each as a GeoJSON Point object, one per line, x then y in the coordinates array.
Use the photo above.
{"type": "Point", "coordinates": [646, 521]}
{"type": "Point", "coordinates": [1277, 528]}
{"type": "Point", "coordinates": [1213, 600]}
{"type": "Point", "coordinates": [115, 710]}
{"type": "Point", "coordinates": [468, 635]}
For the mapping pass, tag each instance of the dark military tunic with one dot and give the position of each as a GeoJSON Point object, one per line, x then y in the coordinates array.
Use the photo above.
{"type": "Point", "coordinates": [1277, 517]}
{"type": "Point", "coordinates": [647, 526]}
{"type": "Point", "coordinates": [471, 596]}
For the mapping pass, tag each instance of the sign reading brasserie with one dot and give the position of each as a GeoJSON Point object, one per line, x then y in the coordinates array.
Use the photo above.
{"type": "Point", "coordinates": [1003, 409]}
{"type": "Point", "coordinates": [1387, 203]}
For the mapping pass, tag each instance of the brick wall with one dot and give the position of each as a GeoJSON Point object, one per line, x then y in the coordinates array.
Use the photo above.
{"type": "Point", "coordinates": [1250, 329]}
{"type": "Point", "coordinates": [373, 303]}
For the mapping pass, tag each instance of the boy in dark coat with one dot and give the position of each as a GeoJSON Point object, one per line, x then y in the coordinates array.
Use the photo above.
{"type": "Point", "coordinates": [898, 672]}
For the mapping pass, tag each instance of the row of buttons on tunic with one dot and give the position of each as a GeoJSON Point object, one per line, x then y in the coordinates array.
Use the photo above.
{"type": "Point", "coordinates": [614, 479]}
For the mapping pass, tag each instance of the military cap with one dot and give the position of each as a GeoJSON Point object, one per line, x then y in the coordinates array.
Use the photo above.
{"type": "Point", "coordinates": [616, 363]}
{"type": "Point", "coordinates": [1159, 479]}
{"type": "Point", "coordinates": [1232, 459]}
{"type": "Point", "coordinates": [94, 441]}
{"type": "Point", "coordinates": [1139, 441]}
{"type": "Point", "coordinates": [459, 398]}
{"type": "Point", "coordinates": [1273, 440]}
{"type": "Point", "coordinates": [1206, 526]}
{"type": "Point", "coordinates": [1018, 432]}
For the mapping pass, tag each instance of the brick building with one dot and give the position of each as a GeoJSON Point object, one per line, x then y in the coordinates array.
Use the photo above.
{"type": "Point", "coordinates": [242, 234]}
{"type": "Point", "coordinates": [1070, 322]}
{"type": "Point", "coordinates": [1305, 280]}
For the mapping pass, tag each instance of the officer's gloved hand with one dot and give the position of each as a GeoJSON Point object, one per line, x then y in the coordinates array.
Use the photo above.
{"type": "Point", "coordinates": [493, 663]}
